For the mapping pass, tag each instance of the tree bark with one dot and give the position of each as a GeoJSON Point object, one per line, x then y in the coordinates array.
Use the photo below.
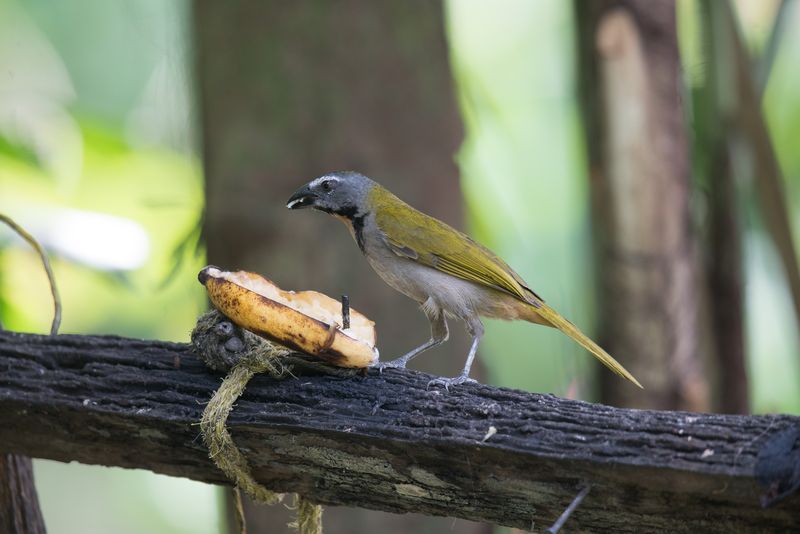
{"type": "Point", "coordinates": [289, 91]}
{"type": "Point", "coordinates": [387, 442]}
{"type": "Point", "coordinates": [725, 284]}
{"type": "Point", "coordinates": [19, 504]}
{"type": "Point", "coordinates": [629, 75]}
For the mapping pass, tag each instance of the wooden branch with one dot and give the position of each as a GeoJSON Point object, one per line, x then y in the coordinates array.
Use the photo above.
{"type": "Point", "coordinates": [386, 442]}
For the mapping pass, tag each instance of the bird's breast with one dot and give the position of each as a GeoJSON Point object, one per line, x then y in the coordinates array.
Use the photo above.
{"type": "Point", "coordinates": [456, 296]}
{"type": "Point", "coordinates": [424, 284]}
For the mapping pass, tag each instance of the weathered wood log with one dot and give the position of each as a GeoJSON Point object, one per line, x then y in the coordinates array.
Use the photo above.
{"type": "Point", "coordinates": [386, 442]}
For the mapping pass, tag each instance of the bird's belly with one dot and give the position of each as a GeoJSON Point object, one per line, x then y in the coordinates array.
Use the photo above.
{"type": "Point", "coordinates": [457, 297]}
{"type": "Point", "coordinates": [402, 275]}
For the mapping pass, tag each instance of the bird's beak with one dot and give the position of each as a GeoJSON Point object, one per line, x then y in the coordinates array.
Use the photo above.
{"type": "Point", "coordinates": [302, 198]}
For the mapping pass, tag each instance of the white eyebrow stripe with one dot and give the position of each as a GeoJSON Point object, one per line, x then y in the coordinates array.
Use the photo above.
{"type": "Point", "coordinates": [325, 178]}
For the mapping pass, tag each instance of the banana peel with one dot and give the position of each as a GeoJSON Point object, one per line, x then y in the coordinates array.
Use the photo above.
{"type": "Point", "coordinates": [306, 321]}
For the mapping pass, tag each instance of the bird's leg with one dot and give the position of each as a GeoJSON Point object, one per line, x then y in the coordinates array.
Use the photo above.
{"type": "Point", "coordinates": [439, 335]}
{"type": "Point", "coordinates": [475, 329]}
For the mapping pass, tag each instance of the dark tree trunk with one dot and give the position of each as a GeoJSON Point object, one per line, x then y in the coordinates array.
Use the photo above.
{"type": "Point", "coordinates": [734, 98]}
{"type": "Point", "coordinates": [724, 265]}
{"type": "Point", "coordinates": [291, 90]}
{"type": "Point", "coordinates": [19, 504]}
{"type": "Point", "coordinates": [629, 75]}
{"type": "Point", "coordinates": [716, 109]}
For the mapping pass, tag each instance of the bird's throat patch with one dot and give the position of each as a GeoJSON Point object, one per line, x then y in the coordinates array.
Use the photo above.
{"type": "Point", "coordinates": [358, 231]}
{"type": "Point", "coordinates": [354, 221]}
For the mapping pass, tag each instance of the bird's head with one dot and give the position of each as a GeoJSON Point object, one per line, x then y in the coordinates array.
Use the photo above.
{"type": "Point", "coordinates": [342, 193]}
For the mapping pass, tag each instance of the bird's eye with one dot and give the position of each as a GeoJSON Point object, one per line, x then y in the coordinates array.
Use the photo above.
{"type": "Point", "coordinates": [327, 185]}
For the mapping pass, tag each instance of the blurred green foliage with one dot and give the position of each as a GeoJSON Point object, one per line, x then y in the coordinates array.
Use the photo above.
{"type": "Point", "coordinates": [774, 342]}
{"type": "Point", "coordinates": [96, 160]}
{"type": "Point", "coordinates": [773, 347]}
{"type": "Point", "coordinates": [524, 177]}
{"type": "Point", "coordinates": [157, 190]}
{"type": "Point", "coordinates": [522, 170]}
{"type": "Point", "coordinates": [102, 500]}
{"type": "Point", "coordinates": [96, 120]}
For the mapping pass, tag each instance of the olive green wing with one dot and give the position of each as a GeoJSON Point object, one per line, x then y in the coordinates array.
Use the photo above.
{"type": "Point", "coordinates": [431, 242]}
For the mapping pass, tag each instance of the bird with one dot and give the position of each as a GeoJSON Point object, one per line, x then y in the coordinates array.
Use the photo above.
{"type": "Point", "coordinates": [445, 271]}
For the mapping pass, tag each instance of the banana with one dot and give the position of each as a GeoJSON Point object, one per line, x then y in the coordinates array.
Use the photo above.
{"type": "Point", "coordinates": [307, 321]}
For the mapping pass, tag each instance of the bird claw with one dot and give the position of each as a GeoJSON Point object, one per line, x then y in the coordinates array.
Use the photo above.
{"type": "Point", "coordinates": [455, 381]}
{"type": "Point", "coordinates": [393, 364]}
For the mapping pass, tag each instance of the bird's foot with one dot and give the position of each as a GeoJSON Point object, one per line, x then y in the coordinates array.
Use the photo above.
{"type": "Point", "coordinates": [399, 363]}
{"type": "Point", "coordinates": [455, 381]}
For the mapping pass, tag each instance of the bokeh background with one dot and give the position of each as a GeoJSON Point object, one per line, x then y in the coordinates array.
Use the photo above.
{"type": "Point", "coordinates": [129, 131]}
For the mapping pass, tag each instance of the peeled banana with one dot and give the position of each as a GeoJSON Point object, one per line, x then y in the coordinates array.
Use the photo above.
{"type": "Point", "coordinates": [307, 321]}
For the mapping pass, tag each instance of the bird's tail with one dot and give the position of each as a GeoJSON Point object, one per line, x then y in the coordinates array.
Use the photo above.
{"type": "Point", "coordinates": [554, 319]}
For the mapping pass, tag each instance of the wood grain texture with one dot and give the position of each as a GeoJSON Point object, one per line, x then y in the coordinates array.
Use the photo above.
{"type": "Point", "coordinates": [386, 442]}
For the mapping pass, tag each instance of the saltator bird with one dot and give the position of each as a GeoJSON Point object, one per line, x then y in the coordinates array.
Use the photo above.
{"type": "Point", "coordinates": [444, 270]}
